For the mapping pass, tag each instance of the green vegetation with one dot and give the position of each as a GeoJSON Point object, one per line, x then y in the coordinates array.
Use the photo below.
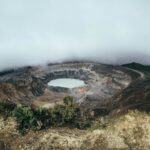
{"type": "Point", "coordinates": [6, 109]}
{"type": "Point", "coordinates": [143, 68]}
{"type": "Point", "coordinates": [67, 114]}
{"type": "Point", "coordinates": [28, 118]}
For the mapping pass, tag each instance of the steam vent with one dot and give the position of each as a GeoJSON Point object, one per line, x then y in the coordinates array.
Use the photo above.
{"type": "Point", "coordinates": [103, 86]}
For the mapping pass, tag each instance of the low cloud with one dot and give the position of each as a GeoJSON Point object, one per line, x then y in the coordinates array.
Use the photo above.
{"type": "Point", "coordinates": [112, 32]}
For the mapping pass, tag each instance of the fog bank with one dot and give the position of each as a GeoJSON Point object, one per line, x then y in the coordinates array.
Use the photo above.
{"type": "Point", "coordinates": [109, 31]}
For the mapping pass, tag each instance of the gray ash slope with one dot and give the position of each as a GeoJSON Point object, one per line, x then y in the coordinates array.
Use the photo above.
{"type": "Point", "coordinates": [107, 87]}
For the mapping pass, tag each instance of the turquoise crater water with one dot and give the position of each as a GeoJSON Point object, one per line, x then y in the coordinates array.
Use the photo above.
{"type": "Point", "coordinates": [67, 83]}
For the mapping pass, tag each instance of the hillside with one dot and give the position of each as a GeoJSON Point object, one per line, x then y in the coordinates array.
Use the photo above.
{"type": "Point", "coordinates": [127, 132]}
{"type": "Point", "coordinates": [143, 68]}
{"type": "Point", "coordinates": [110, 112]}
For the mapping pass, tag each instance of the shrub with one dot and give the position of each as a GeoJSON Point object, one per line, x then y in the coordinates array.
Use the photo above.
{"type": "Point", "coordinates": [68, 101]}
{"type": "Point", "coordinates": [28, 118]}
{"type": "Point", "coordinates": [64, 114]}
{"type": "Point", "coordinates": [6, 109]}
{"type": "Point", "coordinates": [42, 117]}
{"type": "Point", "coordinates": [68, 114]}
{"type": "Point", "coordinates": [24, 117]}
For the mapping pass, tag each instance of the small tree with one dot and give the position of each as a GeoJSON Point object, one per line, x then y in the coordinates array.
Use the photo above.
{"type": "Point", "coordinates": [64, 114]}
{"type": "Point", "coordinates": [68, 101]}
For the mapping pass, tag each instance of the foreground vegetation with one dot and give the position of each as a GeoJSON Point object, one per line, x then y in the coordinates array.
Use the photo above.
{"type": "Point", "coordinates": [67, 114]}
{"type": "Point", "coordinates": [130, 131]}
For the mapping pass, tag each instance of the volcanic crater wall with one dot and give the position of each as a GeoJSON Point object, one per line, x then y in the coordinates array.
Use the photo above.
{"type": "Point", "coordinates": [103, 82]}
{"type": "Point", "coordinates": [29, 85]}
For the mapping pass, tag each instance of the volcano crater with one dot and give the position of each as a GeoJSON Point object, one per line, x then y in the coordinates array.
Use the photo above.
{"type": "Point", "coordinates": [29, 85]}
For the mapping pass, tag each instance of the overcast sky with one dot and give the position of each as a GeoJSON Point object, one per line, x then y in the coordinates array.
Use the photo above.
{"type": "Point", "coordinates": [40, 31]}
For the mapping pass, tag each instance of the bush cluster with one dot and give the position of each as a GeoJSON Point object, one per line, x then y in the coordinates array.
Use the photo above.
{"type": "Point", "coordinates": [68, 114]}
